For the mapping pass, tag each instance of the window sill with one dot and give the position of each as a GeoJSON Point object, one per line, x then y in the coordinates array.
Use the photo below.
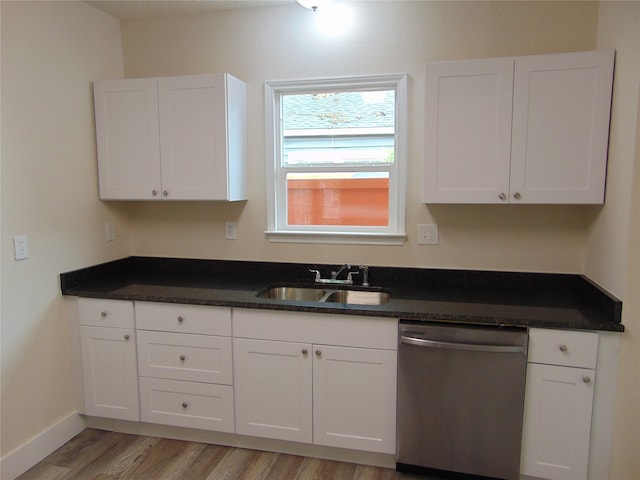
{"type": "Point", "coordinates": [336, 238]}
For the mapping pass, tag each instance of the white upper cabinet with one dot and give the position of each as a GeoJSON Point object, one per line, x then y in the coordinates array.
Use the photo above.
{"type": "Point", "coordinates": [173, 138]}
{"type": "Point", "coordinates": [560, 133]}
{"type": "Point", "coordinates": [468, 130]}
{"type": "Point", "coordinates": [529, 129]}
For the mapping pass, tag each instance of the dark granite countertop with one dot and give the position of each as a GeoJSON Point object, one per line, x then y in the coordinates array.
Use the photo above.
{"type": "Point", "coordinates": [465, 296]}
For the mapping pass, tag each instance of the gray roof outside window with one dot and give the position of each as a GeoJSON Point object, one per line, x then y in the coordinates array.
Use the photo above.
{"type": "Point", "coordinates": [319, 111]}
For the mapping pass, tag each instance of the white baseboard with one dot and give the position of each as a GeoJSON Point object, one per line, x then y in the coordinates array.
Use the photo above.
{"type": "Point", "coordinates": [18, 461]}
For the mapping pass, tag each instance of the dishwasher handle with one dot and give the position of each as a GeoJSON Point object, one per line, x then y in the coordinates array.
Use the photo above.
{"type": "Point", "coordinates": [423, 342]}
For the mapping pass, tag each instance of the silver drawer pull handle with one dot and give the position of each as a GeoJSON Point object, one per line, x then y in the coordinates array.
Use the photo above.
{"type": "Point", "coordinates": [182, 358]}
{"type": "Point", "coordinates": [586, 379]}
{"type": "Point", "coordinates": [126, 337]}
{"type": "Point", "coordinates": [103, 313]}
{"type": "Point", "coordinates": [424, 342]}
{"type": "Point", "coordinates": [185, 404]}
{"type": "Point", "coordinates": [304, 351]}
{"type": "Point", "coordinates": [319, 353]}
{"type": "Point", "coordinates": [563, 348]}
{"type": "Point", "coordinates": [180, 319]}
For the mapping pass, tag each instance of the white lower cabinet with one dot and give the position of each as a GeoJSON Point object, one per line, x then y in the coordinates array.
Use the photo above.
{"type": "Point", "coordinates": [108, 349]}
{"type": "Point", "coordinates": [354, 394]}
{"type": "Point", "coordinates": [312, 378]}
{"type": "Point", "coordinates": [273, 382]}
{"type": "Point", "coordinates": [186, 379]}
{"type": "Point", "coordinates": [558, 404]}
{"type": "Point", "coordinates": [339, 393]}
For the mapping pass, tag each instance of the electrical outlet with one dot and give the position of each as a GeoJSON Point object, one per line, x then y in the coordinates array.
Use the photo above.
{"type": "Point", "coordinates": [230, 230]}
{"type": "Point", "coordinates": [428, 234]}
{"type": "Point", "coordinates": [21, 247]}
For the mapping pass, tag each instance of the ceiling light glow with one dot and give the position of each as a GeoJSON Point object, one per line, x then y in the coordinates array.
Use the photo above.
{"type": "Point", "coordinates": [334, 19]}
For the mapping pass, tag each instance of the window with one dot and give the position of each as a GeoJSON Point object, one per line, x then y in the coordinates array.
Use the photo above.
{"type": "Point", "coordinates": [336, 161]}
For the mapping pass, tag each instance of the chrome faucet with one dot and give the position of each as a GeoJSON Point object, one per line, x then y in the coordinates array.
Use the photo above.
{"type": "Point", "coordinates": [335, 273]}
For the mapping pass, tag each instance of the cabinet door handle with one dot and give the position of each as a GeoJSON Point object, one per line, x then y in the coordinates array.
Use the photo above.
{"type": "Point", "coordinates": [103, 313]}
{"type": "Point", "coordinates": [319, 353]}
{"type": "Point", "coordinates": [182, 358]}
{"type": "Point", "coordinates": [517, 196]}
{"type": "Point", "coordinates": [154, 193]}
{"type": "Point", "coordinates": [180, 319]}
{"type": "Point", "coordinates": [126, 337]}
{"type": "Point", "coordinates": [563, 348]}
{"type": "Point", "coordinates": [502, 196]}
{"type": "Point", "coordinates": [304, 351]}
{"type": "Point", "coordinates": [165, 193]}
{"type": "Point", "coordinates": [586, 379]}
{"type": "Point", "coordinates": [185, 404]}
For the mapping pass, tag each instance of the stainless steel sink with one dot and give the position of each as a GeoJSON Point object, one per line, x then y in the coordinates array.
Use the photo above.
{"type": "Point", "coordinates": [302, 294]}
{"type": "Point", "coordinates": [358, 297]}
{"type": "Point", "coordinates": [326, 295]}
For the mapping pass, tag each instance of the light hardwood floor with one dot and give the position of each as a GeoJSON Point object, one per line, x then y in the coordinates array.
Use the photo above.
{"type": "Point", "coordinates": [100, 455]}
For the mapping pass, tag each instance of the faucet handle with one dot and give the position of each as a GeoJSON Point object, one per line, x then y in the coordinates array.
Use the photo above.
{"type": "Point", "coordinates": [350, 276]}
{"type": "Point", "coordinates": [317, 272]}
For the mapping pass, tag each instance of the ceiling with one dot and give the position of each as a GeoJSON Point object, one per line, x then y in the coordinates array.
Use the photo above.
{"type": "Point", "coordinates": [129, 9]}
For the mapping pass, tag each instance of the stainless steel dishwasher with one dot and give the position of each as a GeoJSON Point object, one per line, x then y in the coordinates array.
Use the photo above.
{"type": "Point", "coordinates": [460, 399]}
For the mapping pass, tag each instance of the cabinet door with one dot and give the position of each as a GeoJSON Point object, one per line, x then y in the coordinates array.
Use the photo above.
{"type": "Point", "coordinates": [193, 137]}
{"type": "Point", "coordinates": [127, 138]}
{"type": "Point", "coordinates": [557, 422]}
{"type": "Point", "coordinates": [561, 106]}
{"type": "Point", "coordinates": [109, 372]}
{"type": "Point", "coordinates": [468, 131]}
{"type": "Point", "coordinates": [273, 389]}
{"type": "Point", "coordinates": [354, 398]}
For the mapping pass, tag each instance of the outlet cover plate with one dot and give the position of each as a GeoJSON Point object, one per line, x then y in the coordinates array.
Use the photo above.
{"type": "Point", "coordinates": [428, 234]}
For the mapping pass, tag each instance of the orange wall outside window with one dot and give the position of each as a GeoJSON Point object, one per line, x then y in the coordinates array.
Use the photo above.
{"type": "Point", "coordinates": [341, 201]}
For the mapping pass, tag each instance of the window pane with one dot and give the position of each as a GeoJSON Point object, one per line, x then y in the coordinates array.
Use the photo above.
{"type": "Point", "coordinates": [338, 127]}
{"type": "Point", "coordinates": [352, 198]}
{"type": "Point", "coordinates": [312, 151]}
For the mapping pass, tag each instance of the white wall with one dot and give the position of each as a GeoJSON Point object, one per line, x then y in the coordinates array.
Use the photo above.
{"type": "Point", "coordinates": [280, 43]}
{"type": "Point", "coordinates": [50, 53]}
{"type": "Point", "coordinates": [613, 243]}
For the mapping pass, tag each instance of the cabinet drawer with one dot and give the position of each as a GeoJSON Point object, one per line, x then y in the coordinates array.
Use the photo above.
{"type": "Point", "coordinates": [187, 404]}
{"type": "Point", "coordinates": [304, 327]}
{"type": "Point", "coordinates": [105, 313]}
{"type": "Point", "coordinates": [169, 317]}
{"type": "Point", "coordinates": [561, 347]}
{"type": "Point", "coordinates": [180, 356]}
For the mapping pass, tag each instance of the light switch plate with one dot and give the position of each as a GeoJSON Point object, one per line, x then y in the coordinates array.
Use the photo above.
{"type": "Point", "coordinates": [230, 230]}
{"type": "Point", "coordinates": [21, 247]}
{"type": "Point", "coordinates": [110, 231]}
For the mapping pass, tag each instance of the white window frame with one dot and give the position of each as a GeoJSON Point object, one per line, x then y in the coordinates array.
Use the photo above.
{"type": "Point", "coordinates": [277, 230]}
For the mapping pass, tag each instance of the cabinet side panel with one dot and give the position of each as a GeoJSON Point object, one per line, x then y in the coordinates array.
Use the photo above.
{"type": "Point", "coordinates": [237, 138]}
